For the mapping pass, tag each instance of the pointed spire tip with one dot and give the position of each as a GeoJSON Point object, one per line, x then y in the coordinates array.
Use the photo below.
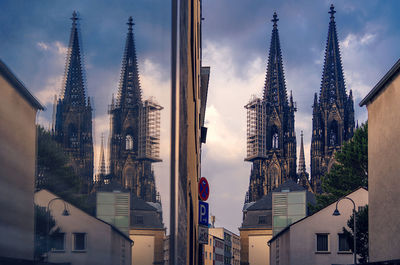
{"type": "Point", "coordinates": [275, 19]}
{"type": "Point", "coordinates": [74, 17]}
{"type": "Point", "coordinates": [332, 12]}
{"type": "Point", "coordinates": [130, 23]}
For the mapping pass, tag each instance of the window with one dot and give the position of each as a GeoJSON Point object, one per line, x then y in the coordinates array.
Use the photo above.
{"type": "Point", "coordinates": [275, 141]}
{"type": "Point", "coordinates": [322, 242]}
{"type": "Point", "coordinates": [79, 242]}
{"type": "Point", "coordinates": [129, 142]}
{"type": "Point", "coordinates": [262, 219]}
{"type": "Point", "coordinates": [343, 243]}
{"type": "Point", "coordinates": [57, 241]}
{"type": "Point", "coordinates": [139, 219]}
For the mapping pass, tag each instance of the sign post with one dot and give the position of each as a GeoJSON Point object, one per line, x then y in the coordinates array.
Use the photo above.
{"type": "Point", "coordinates": [204, 192]}
{"type": "Point", "coordinates": [204, 189]}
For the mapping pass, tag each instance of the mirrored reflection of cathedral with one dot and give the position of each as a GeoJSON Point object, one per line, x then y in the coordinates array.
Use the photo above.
{"type": "Point", "coordinates": [271, 138]}
{"type": "Point", "coordinates": [333, 111]}
{"type": "Point", "coordinates": [135, 130]}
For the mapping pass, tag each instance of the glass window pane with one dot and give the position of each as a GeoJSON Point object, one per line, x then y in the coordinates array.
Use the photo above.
{"type": "Point", "coordinates": [343, 243]}
{"type": "Point", "coordinates": [296, 197]}
{"type": "Point", "coordinates": [297, 209]}
{"type": "Point", "coordinates": [79, 241]}
{"type": "Point", "coordinates": [280, 221]}
{"type": "Point", "coordinates": [322, 242]}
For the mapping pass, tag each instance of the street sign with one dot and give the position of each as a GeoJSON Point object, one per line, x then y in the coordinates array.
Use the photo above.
{"type": "Point", "coordinates": [203, 235]}
{"type": "Point", "coordinates": [203, 213]}
{"type": "Point", "coordinates": [204, 189]}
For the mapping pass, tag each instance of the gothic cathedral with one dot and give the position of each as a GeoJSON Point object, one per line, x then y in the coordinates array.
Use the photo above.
{"type": "Point", "coordinates": [134, 137]}
{"type": "Point", "coordinates": [73, 123]}
{"type": "Point", "coordinates": [333, 113]}
{"type": "Point", "coordinates": [271, 138]}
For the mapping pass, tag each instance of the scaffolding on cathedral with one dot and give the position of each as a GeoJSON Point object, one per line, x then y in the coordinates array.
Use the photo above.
{"type": "Point", "coordinates": [149, 141]}
{"type": "Point", "coordinates": [256, 135]}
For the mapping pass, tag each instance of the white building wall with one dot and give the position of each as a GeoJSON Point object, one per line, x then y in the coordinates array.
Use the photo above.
{"type": "Point", "coordinates": [99, 249]}
{"type": "Point", "coordinates": [302, 235]}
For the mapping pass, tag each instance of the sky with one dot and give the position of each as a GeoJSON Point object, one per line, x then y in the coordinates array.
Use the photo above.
{"type": "Point", "coordinates": [236, 38]}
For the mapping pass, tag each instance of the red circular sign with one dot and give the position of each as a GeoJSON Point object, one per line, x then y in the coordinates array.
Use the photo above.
{"type": "Point", "coordinates": [204, 189]}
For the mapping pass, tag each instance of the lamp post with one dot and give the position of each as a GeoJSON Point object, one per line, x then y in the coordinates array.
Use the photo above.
{"type": "Point", "coordinates": [337, 213]}
{"type": "Point", "coordinates": [64, 213]}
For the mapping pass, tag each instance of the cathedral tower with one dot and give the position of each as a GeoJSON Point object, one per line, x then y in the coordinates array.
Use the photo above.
{"type": "Point", "coordinates": [73, 125]}
{"type": "Point", "coordinates": [271, 138]}
{"type": "Point", "coordinates": [135, 132]}
{"type": "Point", "coordinates": [333, 113]}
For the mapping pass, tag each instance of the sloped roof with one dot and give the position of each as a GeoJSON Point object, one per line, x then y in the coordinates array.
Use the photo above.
{"type": "Point", "coordinates": [395, 70]}
{"type": "Point", "coordinates": [19, 86]}
{"type": "Point", "coordinates": [265, 203]}
{"type": "Point", "coordinates": [298, 221]}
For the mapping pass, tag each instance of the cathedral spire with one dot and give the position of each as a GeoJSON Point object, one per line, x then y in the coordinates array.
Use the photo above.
{"type": "Point", "coordinates": [73, 87]}
{"type": "Point", "coordinates": [302, 161]}
{"type": "Point", "coordinates": [129, 93]}
{"type": "Point", "coordinates": [332, 86]}
{"type": "Point", "coordinates": [102, 163]}
{"type": "Point", "coordinates": [275, 87]}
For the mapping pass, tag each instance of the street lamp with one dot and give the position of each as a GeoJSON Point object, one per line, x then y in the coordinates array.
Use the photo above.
{"type": "Point", "coordinates": [64, 213]}
{"type": "Point", "coordinates": [337, 213]}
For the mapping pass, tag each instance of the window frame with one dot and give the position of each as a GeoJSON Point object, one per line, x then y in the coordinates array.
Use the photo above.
{"type": "Point", "coordinates": [84, 242]}
{"type": "Point", "coordinates": [343, 251]}
{"type": "Point", "coordinates": [328, 243]}
{"type": "Point", "coordinates": [51, 243]}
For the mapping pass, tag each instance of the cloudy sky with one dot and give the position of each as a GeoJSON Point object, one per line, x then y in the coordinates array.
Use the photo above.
{"type": "Point", "coordinates": [236, 37]}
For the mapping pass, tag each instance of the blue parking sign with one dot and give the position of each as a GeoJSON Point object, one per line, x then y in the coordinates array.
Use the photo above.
{"type": "Point", "coordinates": [203, 213]}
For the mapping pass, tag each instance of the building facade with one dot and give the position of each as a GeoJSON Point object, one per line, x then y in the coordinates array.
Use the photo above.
{"type": "Point", "coordinates": [18, 109]}
{"type": "Point", "coordinates": [214, 251]}
{"type": "Point", "coordinates": [333, 111]}
{"type": "Point", "coordinates": [383, 168]}
{"type": "Point", "coordinates": [258, 223]}
{"type": "Point", "coordinates": [82, 238]}
{"type": "Point", "coordinates": [231, 245]}
{"type": "Point", "coordinates": [189, 86]}
{"type": "Point", "coordinates": [73, 124]}
{"type": "Point", "coordinates": [271, 137]}
{"type": "Point", "coordinates": [318, 238]}
{"type": "Point", "coordinates": [135, 130]}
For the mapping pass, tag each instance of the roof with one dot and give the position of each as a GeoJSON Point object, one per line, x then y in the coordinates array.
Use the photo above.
{"type": "Point", "coordinates": [298, 221]}
{"type": "Point", "coordinates": [19, 86]}
{"type": "Point", "coordinates": [112, 227]}
{"type": "Point", "coordinates": [394, 71]}
{"type": "Point", "coordinates": [265, 203]}
{"type": "Point", "coordinates": [139, 204]}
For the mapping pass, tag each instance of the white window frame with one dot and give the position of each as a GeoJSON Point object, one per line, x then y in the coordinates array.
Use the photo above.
{"type": "Point", "coordinates": [59, 250]}
{"type": "Point", "coordinates": [316, 244]}
{"type": "Point", "coordinates": [338, 245]}
{"type": "Point", "coordinates": [73, 242]}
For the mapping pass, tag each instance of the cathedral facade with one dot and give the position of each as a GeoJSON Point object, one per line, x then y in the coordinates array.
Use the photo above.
{"type": "Point", "coordinates": [271, 137]}
{"type": "Point", "coordinates": [333, 111]}
{"type": "Point", "coordinates": [73, 117]}
{"type": "Point", "coordinates": [134, 136]}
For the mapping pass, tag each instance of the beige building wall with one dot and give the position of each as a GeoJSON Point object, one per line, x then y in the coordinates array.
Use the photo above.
{"type": "Point", "coordinates": [142, 250]}
{"type": "Point", "coordinates": [253, 245]}
{"type": "Point", "coordinates": [148, 246]}
{"type": "Point", "coordinates": [258, 249]}
{"type": "Point", "coordinates": [104, 245]}
{"type": "Point", "coordinates": [384, 172]}
{"type": "Point", "coordinates": [297, 245]}
{"type": "Point", "coordinates": [17, 172]}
